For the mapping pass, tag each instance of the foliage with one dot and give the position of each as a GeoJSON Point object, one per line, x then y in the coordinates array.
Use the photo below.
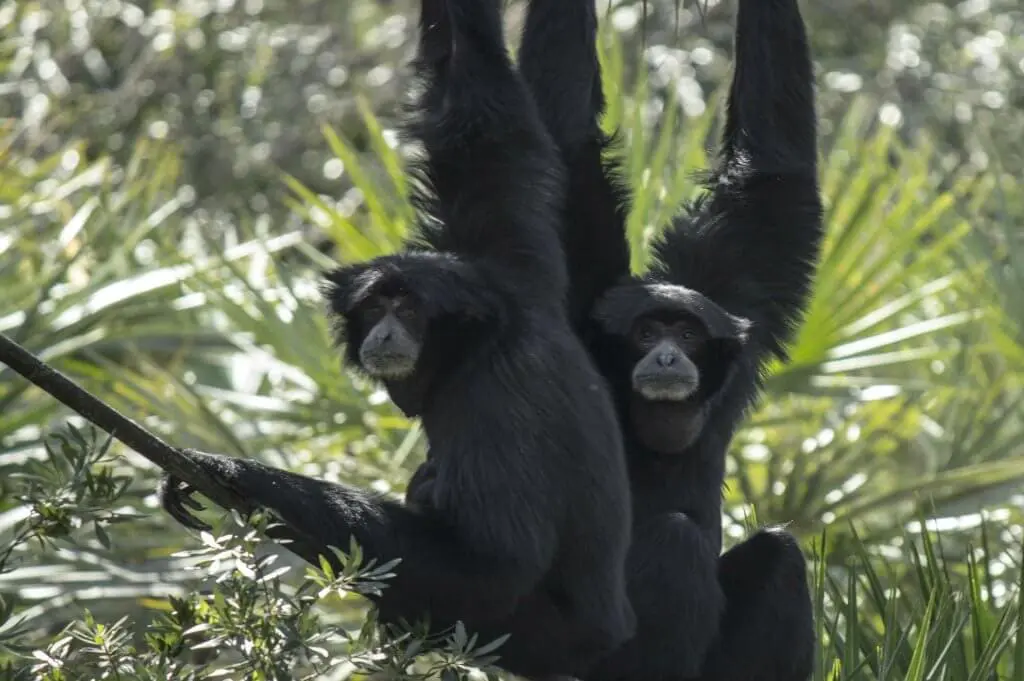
{"type": "Point", "coordinates": [902, 400]}
{"type": "Point", "coordinates": [241, 88]}
{"type": "Point", "coordinates": [255, 621]}
{"type": "Point", "coordinates": [249, 623]}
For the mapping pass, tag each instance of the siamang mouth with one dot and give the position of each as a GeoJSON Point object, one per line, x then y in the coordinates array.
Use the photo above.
{"type": "Point", "coordinates": [389, 366]}
{"type": "Point", "coordinates": [658, 389]}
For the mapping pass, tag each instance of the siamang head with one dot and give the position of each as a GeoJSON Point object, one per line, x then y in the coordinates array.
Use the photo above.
{"type": "Point", "coordinates": [403, 321]}
{"type": "Point", "coordinates": [675, 351]}
{"type": "Point", "coordinates": [381, 321]}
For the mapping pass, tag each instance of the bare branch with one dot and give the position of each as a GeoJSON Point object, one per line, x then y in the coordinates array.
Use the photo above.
{"type": "Point", "coordinates": [178, 462]}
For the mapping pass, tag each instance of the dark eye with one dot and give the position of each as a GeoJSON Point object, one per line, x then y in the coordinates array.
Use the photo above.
{"type": "Point", "coordinates": [404, 307]}
{"type": "Point", "coordinates": [689, 334]}
{"type": "Point", "coordinates": [646, 332]}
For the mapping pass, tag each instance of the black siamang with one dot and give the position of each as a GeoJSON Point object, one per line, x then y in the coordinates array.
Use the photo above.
{"type": "Point", "coordinates": [523, 525]}
{"type": "Point", "coordinates": [684, 346]}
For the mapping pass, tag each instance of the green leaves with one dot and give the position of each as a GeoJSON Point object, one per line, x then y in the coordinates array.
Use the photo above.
{"type": "Point", "coordinates": [902, 400]}
{"type": "Point", "coordinates": [915, 620]}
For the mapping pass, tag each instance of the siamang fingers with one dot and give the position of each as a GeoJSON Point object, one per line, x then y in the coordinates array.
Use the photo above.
{"type": "Point", "coordinates": [176, 498]}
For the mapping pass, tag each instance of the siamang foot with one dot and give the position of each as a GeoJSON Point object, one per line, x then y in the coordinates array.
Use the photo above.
{"type": "Point", "coordinates": [176, 495]}
{"type": "Point", "coordinates": [176, 498]}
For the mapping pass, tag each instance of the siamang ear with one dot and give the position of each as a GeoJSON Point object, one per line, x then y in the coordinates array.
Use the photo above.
{"type": "Point", "coordinates": [345, 288]}
{"type": "Point", "coordinates": [718, 360]}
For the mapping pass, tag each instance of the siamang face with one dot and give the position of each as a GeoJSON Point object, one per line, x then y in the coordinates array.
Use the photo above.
{"type": "Point", "coordinates": [667, 407]}
{"type": "Point", "coordinates": [666, 345]}
{"type": "Point", "coordinates": [397, 326]}
{"type": "Point", "coordinates": [671, 353]}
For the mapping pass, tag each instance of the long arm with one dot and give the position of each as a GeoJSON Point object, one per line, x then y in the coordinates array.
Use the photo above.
{"type": "Point", "coordinates": [453, 568]}
{"type": "Point", "coordinates": [496, 177]}
{"type": "Point", "coordinates": [751, 246]}
{"type": "Point", "coordinates": [444, 574]}
{"type": "Point", "coordinates": [558, 60]}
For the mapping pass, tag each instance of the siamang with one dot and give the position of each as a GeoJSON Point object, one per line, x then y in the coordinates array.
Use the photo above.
{"type": "Point", "coordinates": [684, 346]}
{"type": "Point", "coordinates": [523, 524]}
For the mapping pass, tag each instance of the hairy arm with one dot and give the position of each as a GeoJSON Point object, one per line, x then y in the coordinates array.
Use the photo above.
{"type": "Point", "coordinates": [466, 563]}
{"type": "Point", "coordinates": [752, 244]}
{"type": "Point", "coordinates": [495, 176]}
{"type": "Point", "coordinates": [558, 60]}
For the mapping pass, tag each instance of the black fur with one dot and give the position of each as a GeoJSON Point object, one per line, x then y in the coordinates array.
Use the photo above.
{"type": "Point", "coordinates": [522, 525]}
{"type": "Point", "coordinates": [750, 247]}
{"type": "Point", "coordinates": [559, 61]}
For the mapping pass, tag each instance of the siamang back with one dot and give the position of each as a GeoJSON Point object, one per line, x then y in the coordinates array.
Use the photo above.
{"type": "Point", "coordinates": [524, 523]}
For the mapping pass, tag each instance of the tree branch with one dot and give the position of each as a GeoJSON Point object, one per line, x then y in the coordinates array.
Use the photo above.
{"type": "Point", "coordinates": [177, 462]}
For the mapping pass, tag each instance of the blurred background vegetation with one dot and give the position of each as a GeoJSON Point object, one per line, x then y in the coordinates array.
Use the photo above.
{"type": "Point", "coordinates": [172, 175]}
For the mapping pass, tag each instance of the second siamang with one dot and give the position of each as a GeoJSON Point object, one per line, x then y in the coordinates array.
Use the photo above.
{"type": "Point", "coordinates": [523, 525]}
{"type": "Point", "coordinates": [684, 346]}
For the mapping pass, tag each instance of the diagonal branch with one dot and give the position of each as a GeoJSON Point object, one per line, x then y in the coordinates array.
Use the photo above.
{"type": "Point", "coordinates": [177, 462]}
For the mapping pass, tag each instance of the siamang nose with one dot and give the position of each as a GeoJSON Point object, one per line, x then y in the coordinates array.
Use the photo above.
{"type": "Point", "coordinates": [666, 359]}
